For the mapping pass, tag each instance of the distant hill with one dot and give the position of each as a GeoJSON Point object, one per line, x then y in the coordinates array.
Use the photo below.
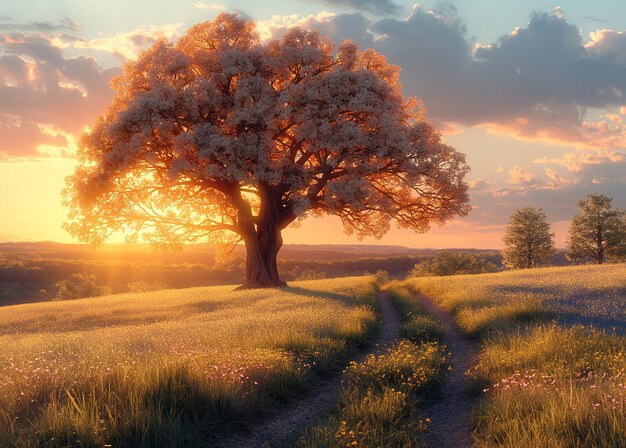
{"type": "Point", "coordinates": [29, 272]}
{"type": "Point", "coordinates": [288, 250]}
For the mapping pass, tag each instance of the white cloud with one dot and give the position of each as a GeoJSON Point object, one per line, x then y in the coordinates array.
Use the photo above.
{"type": "Point", "coordinates": [554, 176]}
{"type": "Point", "coordinates": [214, 6]}
{"type": "Point", "coordinates": [576, 161]}
{"type": "Point", "coordinates": [128, 44]}
{"type": "Point", "coordinates": [520, 175]}
{"type": "Point", "coordinates": [277, 25]}
{"type": "Point", "coordinates": [383, 7]}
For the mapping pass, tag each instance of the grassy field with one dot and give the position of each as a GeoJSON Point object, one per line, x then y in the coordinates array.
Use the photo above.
{"type": "Point", "coordinates": [170, 368]}
{"type": "Point", "coordinates": [592, 295]}
{"type": "Point", "coordinates": [382, 396]}
{"type": "Point", "coordinates": [546, 383]}
{"type": "Point", "coordinates": [180, 367]}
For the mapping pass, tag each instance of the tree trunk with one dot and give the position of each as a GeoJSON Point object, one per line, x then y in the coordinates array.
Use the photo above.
{"type": "Point", "coordinates": [529, 256]}
{"type": "Point", "coordinates": [263, 240]}
{"type": "Point", "coordinates": [261, 251]}
{"type": "Point", "coordinates": [600, 244]}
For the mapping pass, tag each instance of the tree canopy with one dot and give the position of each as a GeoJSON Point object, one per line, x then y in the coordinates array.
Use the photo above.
{"type": "Point", "coordinates": [528, 241]}
{"type": "Point", "coordinates": [223, 136]}
{"type": "Point", "coordinates": [598, 231]}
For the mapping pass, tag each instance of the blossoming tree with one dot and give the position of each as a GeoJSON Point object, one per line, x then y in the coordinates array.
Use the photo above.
{"type": "Point", "coordinates": [223, 136]}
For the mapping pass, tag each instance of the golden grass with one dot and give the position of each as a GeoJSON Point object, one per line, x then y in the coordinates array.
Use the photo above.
{"type": "Point", "coordinates": [381, 398]}
{"type": "Point", "coordinates": [546, 385]}
{"type": "Point", "coordinates": [554, 387]}
{"type": "Point", "coordinates": [487, 302]}
{"type": "Point", "coordinates": [170, 367]}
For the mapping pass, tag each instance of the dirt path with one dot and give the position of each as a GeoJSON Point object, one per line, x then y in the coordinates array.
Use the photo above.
{"type": "Point", "coordinates": [450, 417]}
{"type": "Point", "coordinates": [322, 398]}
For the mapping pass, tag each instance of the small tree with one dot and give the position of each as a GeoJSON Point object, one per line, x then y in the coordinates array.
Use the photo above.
{"type": "Point", "coordinates": [79, 286]}
{"type": "Point", "coordinates": [528, 241]}
{"type": "Point", "coordinates": [226, 137]}
{"type": "Point", "coordinates": [598, 231]}
{"type": "Point", "coordinates": [453, 263]}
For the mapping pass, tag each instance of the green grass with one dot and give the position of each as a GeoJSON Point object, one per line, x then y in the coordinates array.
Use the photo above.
{"type": "Point", "coordinates": [170, 368]}
{"type": "Point", "coordinates": [381, 398]}
{"type": "Point", "coordinates": [546, 384]}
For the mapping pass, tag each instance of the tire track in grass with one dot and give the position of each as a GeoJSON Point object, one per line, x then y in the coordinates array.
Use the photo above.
{"type": "Point", "coordinates": [451, 415]}
{"type": "Point", "coordinates": [306, 412]}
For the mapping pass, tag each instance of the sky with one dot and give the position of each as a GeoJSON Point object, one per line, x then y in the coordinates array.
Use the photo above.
{"type": "Point", "coordinates": [533, 92]}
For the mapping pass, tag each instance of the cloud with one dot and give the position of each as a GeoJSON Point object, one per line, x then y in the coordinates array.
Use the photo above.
{"type": "Point", "coordinates": [128, 45]}
{"type": "Point", "coordinates": [555, 192]}
{"type": "Point", "coordinates": [65, 24]}
{"type": "Point", "coordinates": [338, 27]}
{"type": "Point", "coordinates": [215, 7]}
{"type": "Point", "coordinates": [47, 98]}
{"type": "Point", "coordinates": [591, 168]}
{"type": "Point", "coordinates": [520, 175]}
{"type": "Point", "coordinates": [540, 82]}
{"type": "Point", "coordinates": [382, 7]}
{"type": "Point", "coordinates": [609, 44]}
{"type": "Point", "coordinates": [559, 203]}
{"type": "Point", "coordinates": [555, 177]}
{"type": "Point", "coordinates": [479, 184]}
{"type": "Point", "coordinates": [576, 161]}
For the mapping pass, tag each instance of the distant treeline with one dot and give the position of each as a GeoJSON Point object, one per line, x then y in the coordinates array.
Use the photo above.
{"type": "Point", "coordinates": [30, 272]}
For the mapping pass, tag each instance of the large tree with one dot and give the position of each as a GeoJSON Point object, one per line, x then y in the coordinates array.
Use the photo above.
{"type": "Point", "coordinates": [528, 241]}
{"type": "Point", "coordinates": [598, 231]}
{"type": "Point", "coordinates": [221, 135]}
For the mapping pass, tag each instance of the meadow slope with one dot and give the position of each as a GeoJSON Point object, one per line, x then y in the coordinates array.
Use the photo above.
{"type": "Point", "coordinates": [177, 368]}
{"type": "Point", "coordinates": [552, 364]}
{"type": "Point", "coordinates": [171, 367]}
{"type": "Point", "coordinates": [590, 295]}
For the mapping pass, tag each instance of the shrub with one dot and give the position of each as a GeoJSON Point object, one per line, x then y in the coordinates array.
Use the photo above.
{"type": "Point", "coordinates": [79, 286]}
{"type": "Point", "coordinates": [382, 277]}
{"type": "Point", "coordinates": [311, 274]}
{"type": "Point", "coordinates": [453, 263]}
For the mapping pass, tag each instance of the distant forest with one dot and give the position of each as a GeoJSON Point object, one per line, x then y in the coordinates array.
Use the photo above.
{"type": "Point", "coordinates": [29, 272]}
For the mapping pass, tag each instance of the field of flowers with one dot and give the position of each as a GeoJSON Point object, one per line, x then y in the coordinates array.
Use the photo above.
{"type": "Point", "coordinates": [134, 369]}
{"type": "Point", "coordinates": [548, 384]}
